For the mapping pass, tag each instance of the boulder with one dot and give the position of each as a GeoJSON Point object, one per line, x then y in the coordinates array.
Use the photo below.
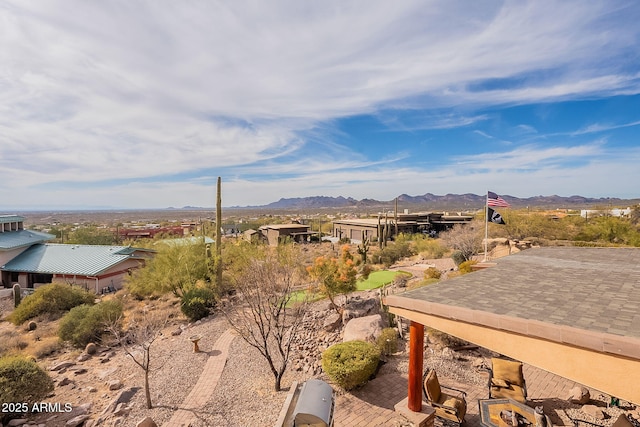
{"type": "Point", "coordinates": [358, 307]}
{"type": "Point", "coordinates": [114, 384]}
{"type": "Point", "coordinates": [593, 411]}
{"type": "Point", "coordinates": [366, 328]}
{"type": "Point", "coordinates": [146, 422]}
{"type": "Point", "coordinates": [17, 422]}
{"type": "Point", "coordinates": [32, 326]}
{"type": "Point", "coordinates": [332, 322]}
{"type": "Point", "coordinates": [579, 395]}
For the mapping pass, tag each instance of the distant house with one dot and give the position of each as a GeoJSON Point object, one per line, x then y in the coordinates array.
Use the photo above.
{"type": "Point", "coordinates": [275, 233]}
{"type": "Point", "coordinates": [26, 259]}
{"type": "Point", "coordinates": [370, 228]}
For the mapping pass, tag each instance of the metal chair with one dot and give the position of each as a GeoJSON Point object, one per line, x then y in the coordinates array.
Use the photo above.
{"type": "Point", "coordinates": [448, 406]}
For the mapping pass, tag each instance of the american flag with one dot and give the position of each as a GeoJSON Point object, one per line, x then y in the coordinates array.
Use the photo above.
{"type": "Point", "coordinates": [494, 200]}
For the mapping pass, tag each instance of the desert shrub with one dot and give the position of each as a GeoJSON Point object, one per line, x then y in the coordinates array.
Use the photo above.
{"type": "Point", "coordinates": [465, 267]}
{"type": "Point", "coordinates": [44, 347]}
{"type": "Point", "coordinates": [11, 342]}
{"type": "Point", "coordinates": [86, 323]}
{"type": "Point", "coordinates": [429, 248]}
{"type": "Point", "coordinates": [458, 257]}
{"type": "Point", "coordinates": [22, 380]}
{"type": "Point", "coordinates": [53, 299]}
{"type": "Point", "coordinates": [388, 341]}
{"type": "Point", "coordinates": [432, 273]}
{"type": "Point", "coordinates": [344, 241]}
{"type": "Point", "coordinates": [366, 270]}
{"type": "Point", "coordinates": [350, 364]}
{"type": "Point", "coordinates": [393, 253]}
{"type": "Point", "coordinates": [197, 303]}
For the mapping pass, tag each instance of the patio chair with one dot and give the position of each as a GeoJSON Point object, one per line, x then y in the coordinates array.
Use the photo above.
{"type": "Point", "coordinates": [506, 380]}
{"type": "Point", "coordinates": [448, 406]}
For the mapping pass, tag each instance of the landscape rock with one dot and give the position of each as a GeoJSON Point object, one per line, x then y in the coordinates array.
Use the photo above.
{"type": "Point", "coordinates": [146, 422]}
{"type": "Point", "coordinates": [176, 332]}
{"type": "Point", "coordinates": [579, 395]}
{"type": "Point", "coordinates": [64, 381]}
{"type": "Point", "coordinates": [83, 357]}
{"type": "Point", "coordinates": [61, 365]}
{"type": "Point", "coordinates": [114, 385]}
{"type": "Point", "coordinates": [332, 322]}
{"type": "Point", "coordinates": [366, 328]}
{"type": "Point", "coordinates": [17, 422]}
{"type": "Point", "coordinates": [593, 411]}
{"type": "Point", "coordinates": [32, 326]}
{"type": "Point", "coordinates": [359, 307]}
{"type": "Point", "coordinates": [76, 421]}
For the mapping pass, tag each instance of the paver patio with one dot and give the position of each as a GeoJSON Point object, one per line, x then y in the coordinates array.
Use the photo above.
{"type": "Point", "coordinates": [372, 405]}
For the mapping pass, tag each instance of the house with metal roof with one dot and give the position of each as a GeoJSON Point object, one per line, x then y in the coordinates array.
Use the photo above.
{"type": "Point", "coordinates": [571, 311]}
{"type": "Point", "coordinates": [14, 239]}
{"type": "Point", "coordinates": [26, 259]}
{"type": "Point", "coordinates": [94, 267]}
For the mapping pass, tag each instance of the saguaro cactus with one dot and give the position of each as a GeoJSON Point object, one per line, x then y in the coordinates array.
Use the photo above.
{"type": "Point", "coordinates": [219, 234]}
{"type": "Point", "coordinates": [17, 295]}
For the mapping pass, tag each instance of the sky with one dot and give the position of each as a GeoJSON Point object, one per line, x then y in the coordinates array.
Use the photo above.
{"type": "Point", "coordinates": [143, 104]}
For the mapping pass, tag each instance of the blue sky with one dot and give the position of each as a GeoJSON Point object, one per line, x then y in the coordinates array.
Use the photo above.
{"type": "Point", "coordinates": [130, 104]}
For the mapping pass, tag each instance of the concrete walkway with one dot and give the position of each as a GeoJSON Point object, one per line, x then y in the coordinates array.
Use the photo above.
{"type": "Point", "coordinates": [204, 388]}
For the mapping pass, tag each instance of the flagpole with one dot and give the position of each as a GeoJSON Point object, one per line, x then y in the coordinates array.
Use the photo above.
{"type": "Point", "coordinates": [486, 225]}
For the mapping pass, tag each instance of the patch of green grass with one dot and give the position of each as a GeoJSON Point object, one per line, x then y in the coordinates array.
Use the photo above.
{"type": "Point", "coordinates": [378, 279]}
{"type": "Point", "coordinates": [299, 296]}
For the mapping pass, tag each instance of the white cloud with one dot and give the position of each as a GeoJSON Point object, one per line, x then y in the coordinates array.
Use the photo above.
{"type": "Point", "coordinates": [97, 91]}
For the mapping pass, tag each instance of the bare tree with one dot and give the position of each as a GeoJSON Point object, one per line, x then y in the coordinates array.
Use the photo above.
{"type": "Point", "coordinates": [465, 238]}
{"type": "Point", "coordinates": [265, 315]}
{"type": "Point", "coordinates": [137, 340]}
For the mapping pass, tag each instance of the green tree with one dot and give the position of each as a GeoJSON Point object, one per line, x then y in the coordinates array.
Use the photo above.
{"type": "Point", "coordinates": [176, 268]}
{"type": "Point", "coordinates": [335, 276]}
{"type": "Point", "coordinates": [92, 236]}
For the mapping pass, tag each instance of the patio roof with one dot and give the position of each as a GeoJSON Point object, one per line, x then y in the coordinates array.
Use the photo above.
{"type": "Point", "coordinates": [579, 301]}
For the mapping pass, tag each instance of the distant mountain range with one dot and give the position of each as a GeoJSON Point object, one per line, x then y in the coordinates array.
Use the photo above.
{"type": "Point", "coordinates": [448, 201]}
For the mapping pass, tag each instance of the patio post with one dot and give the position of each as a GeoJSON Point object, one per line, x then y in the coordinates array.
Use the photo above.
{"type": "Point", "coordinates": [416, 355]}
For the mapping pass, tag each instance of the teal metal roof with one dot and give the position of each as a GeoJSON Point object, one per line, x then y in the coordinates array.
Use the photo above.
{"type": "Point", "coordinates": [10, 218]}
{"type": "Point", "coordinates": [81, 260]}
{"type": "Point", "coordinates": [16, 239]}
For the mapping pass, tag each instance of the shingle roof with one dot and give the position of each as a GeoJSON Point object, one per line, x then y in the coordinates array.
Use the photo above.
{"type": "Point", "coordinates": [16, 239]}
{"type": "Point", "coordinates": [85, 260]}
{"type": "Point", "coordinates": [593, 289]}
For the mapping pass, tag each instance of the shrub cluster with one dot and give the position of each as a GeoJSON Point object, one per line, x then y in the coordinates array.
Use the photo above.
{"type": "Point", "coordinates": [465, 267]}
{"type": "Point", "coordinates": [350, 364]}
{"type": "Point", "coordinates": [197, 303]}
{"type": "Point", "coordinates": [388, 341]}
{"type": "Point", "coordinates": [22, 380]}
{"type": "Point", "coordinates": [53, 299]}
{"type": "Point", "coordinates": [392, 253]}
{"type": "Point", "coordinates": [86, 323]}
{"type": "Point", "coordinates": [432, 273]}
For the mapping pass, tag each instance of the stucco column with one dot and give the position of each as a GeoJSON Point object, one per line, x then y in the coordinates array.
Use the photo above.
{"type": "Point", "coordinates": [416, 355]}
